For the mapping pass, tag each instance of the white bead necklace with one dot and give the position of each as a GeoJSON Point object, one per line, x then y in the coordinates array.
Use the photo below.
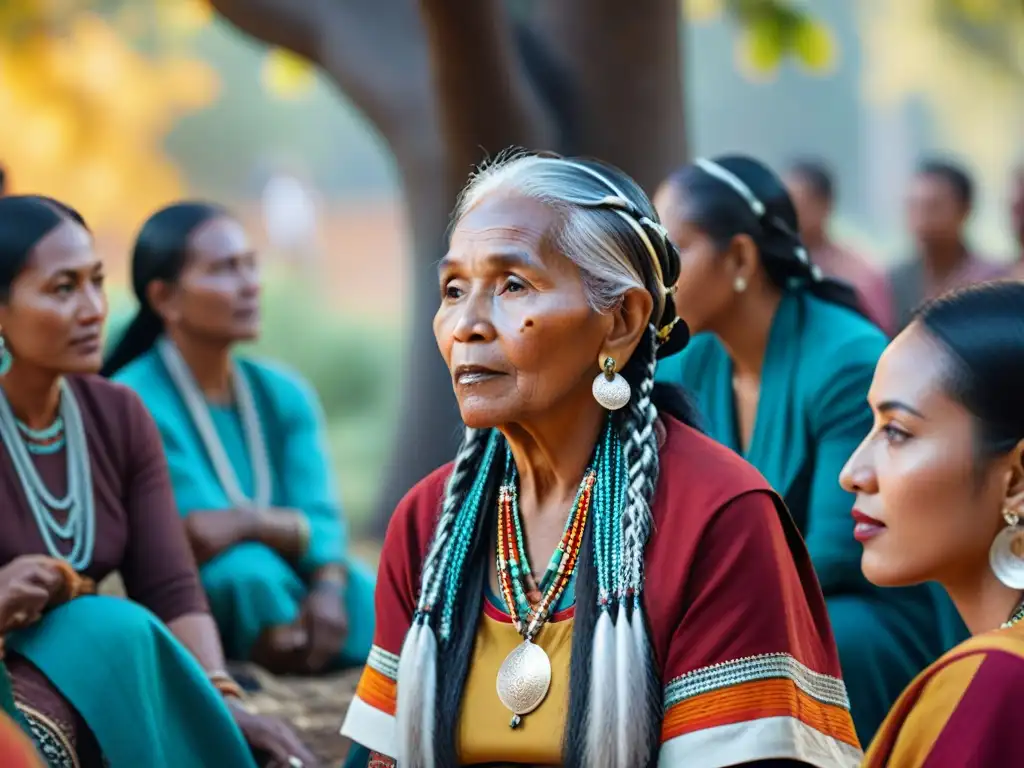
{"type": "Point", "coordinates": [80, 526]}
{"type": "Point", "coordinates": [187, 387]}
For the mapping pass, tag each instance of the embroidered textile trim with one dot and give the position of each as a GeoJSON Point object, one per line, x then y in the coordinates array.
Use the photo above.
{"type": "Point", "coordinates": [824, 688]}
{"type": "Point", "coordinates": [384, 662]}
{"type": "Point", "coordinates": [51, 741]}
{"type": "Point", "coordinates": [773, 738]}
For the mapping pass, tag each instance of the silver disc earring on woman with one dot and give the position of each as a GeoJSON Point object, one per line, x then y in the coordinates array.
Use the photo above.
{"type": "Point", "coordinates": [610, 389]}
{"type": "Point", "coordinates": [1006, 555]}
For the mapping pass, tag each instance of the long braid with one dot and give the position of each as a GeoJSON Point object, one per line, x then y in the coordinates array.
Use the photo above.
{"type": "Point", "coordinates": [417, 666]}
{"type": "Point", "coordinates": [464, 469]}
{"type": "Point", "coordinates": [637, 690]}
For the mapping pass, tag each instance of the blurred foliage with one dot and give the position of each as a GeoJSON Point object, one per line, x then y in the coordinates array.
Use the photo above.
{"type": "Point", "coordinates": [964, 59]}
{"type": "Point", "coordinates": [85, 112]}
{"type": "Point", "coordinates": [770, 32]}
{"type": "Point", "coordinates": [287, 75]}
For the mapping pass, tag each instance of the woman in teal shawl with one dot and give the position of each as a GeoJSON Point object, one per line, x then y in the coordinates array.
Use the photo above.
{"type": "Point", "coordinates": [97, 681]}
{"type": "Point", "coordinates": [780, 365]}
{"type": "Point", "coordinates": [246, 444]}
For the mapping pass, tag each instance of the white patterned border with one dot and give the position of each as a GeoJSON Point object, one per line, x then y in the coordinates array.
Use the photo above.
{"type": "Point", "coordinates": [769, 666]}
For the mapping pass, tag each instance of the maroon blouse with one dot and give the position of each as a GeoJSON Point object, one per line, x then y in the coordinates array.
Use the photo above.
{"type": "Point", "coordinates": [138, 529]}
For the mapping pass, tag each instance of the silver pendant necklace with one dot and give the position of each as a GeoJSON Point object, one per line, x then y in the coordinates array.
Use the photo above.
{"type": "Point", "coordinates": [79, 527]}
{"type": "Point", "coordinates": [195, 403]}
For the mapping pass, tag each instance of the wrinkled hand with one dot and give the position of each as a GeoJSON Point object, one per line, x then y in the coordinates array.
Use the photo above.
{"type": "Point", "coordinates": [210, 533]}
{"type": "Point", "coordinates": [272, 741]}
{"type": "Point", "coordinates": [325, 621]}
{"type": "Point", "coordinates": [28, 584]}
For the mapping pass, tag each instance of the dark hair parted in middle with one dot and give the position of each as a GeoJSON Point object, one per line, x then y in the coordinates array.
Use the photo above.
{"type": "Point", "coordinates": [737, 195]}
{"type": "Point", "coordinates": [160, 253]}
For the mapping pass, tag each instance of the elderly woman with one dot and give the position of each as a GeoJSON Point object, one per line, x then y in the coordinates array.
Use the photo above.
{"type": "Point", "coordinates": [940, 497]}
{"type": "Point", "coordinates": [99, 682]}
{"type": "Point", "coordinates": [780, 365]}
{"type": "Point", "coordinates": [678, 618]}
{"type": "Point", "coordinates": [247, 448]}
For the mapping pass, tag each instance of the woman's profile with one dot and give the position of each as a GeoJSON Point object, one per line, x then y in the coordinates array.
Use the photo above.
{"type": "Point", "coordinates": [592, 581]}
{"type": "Point", "coordinates": [939, 486]}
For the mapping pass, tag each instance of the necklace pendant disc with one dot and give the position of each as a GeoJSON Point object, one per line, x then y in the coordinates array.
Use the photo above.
{"type": "Point", "coordinates": [524, 679]}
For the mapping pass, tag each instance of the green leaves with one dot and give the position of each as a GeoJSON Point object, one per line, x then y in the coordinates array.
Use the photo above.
{"type": "Point", "coordinates": [771, 32]}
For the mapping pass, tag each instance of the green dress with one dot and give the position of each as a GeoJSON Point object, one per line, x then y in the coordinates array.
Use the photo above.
{"type": "Point", "coordinates": [812, 414]}
{"type": "Point", "coordinates": [249, 586]}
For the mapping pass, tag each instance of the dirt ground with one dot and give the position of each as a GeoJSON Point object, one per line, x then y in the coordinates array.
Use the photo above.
{"type": "Point", "coordinates": [315, 707]}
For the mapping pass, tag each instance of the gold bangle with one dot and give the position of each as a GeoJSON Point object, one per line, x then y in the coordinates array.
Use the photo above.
{"type": "Point", "coordinates": [226, 685]}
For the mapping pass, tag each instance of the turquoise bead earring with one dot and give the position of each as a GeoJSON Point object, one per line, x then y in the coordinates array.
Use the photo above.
{"type": "Point", "coordinates": [5, 358]}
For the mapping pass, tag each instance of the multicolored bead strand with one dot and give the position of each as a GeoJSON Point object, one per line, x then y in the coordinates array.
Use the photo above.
{"type": "Point", "coordinates": [515, 576]}
{"type": "Point", "coordinates": [42, 442]}
{"type": "Point", "coordinates": [464, 527]}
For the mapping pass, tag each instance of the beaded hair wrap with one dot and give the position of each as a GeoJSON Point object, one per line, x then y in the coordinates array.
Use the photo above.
{"type": "Point", "coordinates": [618, 733]}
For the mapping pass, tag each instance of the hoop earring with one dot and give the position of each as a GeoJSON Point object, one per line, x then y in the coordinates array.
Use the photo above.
{"type": "Point", "coordinates": [6, 360]}
{"type": "Point", "coordinates": [739, 284]}
{"type": "Point", "coordinates": [611, 390]}
{"type": "Point", "coordinates": [1006, 555]}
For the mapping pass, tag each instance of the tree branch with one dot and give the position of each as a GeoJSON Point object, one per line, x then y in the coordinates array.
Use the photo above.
{"type": "Point", "coordinates": [485, 99]}
{"type": "Point", "coordinates": [377, 56]}
{"type": "Point", "coordinates": [625, 64]}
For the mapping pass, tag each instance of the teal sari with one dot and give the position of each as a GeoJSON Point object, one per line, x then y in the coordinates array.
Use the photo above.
{"type": "Point", "coordinates": [144, 696]}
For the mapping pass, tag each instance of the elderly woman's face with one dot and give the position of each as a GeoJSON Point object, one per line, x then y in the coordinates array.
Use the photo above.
{"type": "Point", "coordinates": [514, 325]}
{"type": "Point", "coordinates": [923, 512]}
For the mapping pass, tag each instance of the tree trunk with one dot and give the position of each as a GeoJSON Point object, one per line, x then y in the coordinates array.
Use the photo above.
{"type": "Point", "coordinates": [448, 84]}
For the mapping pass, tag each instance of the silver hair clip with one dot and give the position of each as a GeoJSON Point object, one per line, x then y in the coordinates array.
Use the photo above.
{"type": "Point", "coordinates": [728, 177]}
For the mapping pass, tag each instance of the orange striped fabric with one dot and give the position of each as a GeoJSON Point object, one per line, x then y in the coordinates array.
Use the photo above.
{"type": "Point", "coordinates": [378, 690]}
{"type": "Point", "coordinates": [755, 700]}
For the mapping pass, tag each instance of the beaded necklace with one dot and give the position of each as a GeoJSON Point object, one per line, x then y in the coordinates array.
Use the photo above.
{"type": "Point", "coordinates": [79, 526]}
{"type": "Point", "coordinates": [1018, 614]}
{"type": "Point", "coordinates": [528, 603]}
{"type": "Point", "coordinates": [195, 404]}
{"type": "Point", "coordinates": [43, 441]}
{"type": "Point", "coordinates": [525, 676]}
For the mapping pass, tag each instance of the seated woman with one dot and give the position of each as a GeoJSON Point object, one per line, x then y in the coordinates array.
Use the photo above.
{"type": "Point", "coordinates": [246, 445]}
{"type": "Point", "coordinates": [940, 497]}
{"type": "Point", "coordinates": [780, 370]}
{"type": "Point", "coordinates": [679, 618]}
{"type": "Point", "coordinates": [84, 491]}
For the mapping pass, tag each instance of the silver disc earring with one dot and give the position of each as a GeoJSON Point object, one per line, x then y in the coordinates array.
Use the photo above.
{"type": "Point", "coordinates": [1006, 555]}
{"type": "Point", "coordinates": [610, 389]}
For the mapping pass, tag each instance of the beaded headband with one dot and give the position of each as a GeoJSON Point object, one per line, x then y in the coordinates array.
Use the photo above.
{"type": "Point", "coordinates": [637, 221]}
